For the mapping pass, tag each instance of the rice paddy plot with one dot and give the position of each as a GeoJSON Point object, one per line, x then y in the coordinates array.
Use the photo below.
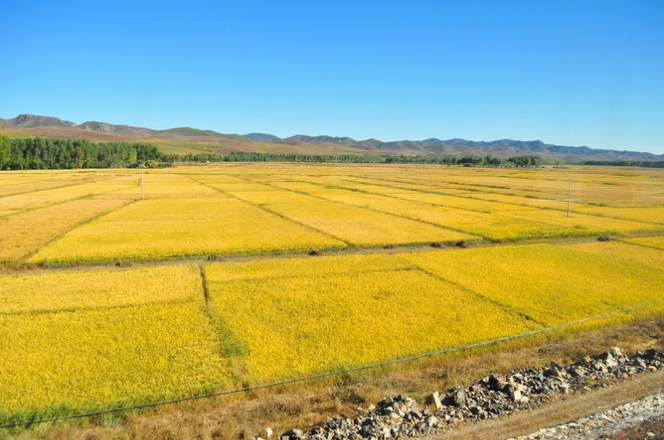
{"type": "Point", "coordinates": [215, 177]}
{"type": "Point", "coordinates": [312, 188]}
{"type": "Point", "coordinates": [463, 203]}
{"type": "Point", "coordinates": [20, 184]}
{"type": "Point", "coordinates": [286, 268]}
{"type": "Point", "coordinates": [25, 232]}
{"type": "Point", "coordinates": [406, 185]}
{"type": "Point", "coordinates": [76, 290]}
{"type": "Point", "coordinates": [351, 224]}
{"type": "Point", "coordinates": [270, 196]}
{"type": "Point", "coordinates": [158, 185]}
{"type": "Point", "coordinates": [592, 224]}
{"type": "Point", "coordinates": [182, 227]}
{"type": "Point", "coordinates": [534, 202]}
{"type": "Point", "coordinates": [375, 189]}
{"type": "Point", "coordinates": [38, 199]}
{"type": "Point", "coordinates": [550, 284]}
{"type": "Point", "coordinates": [652, 214]}
{"type": "Point", "coordinates": [655, 242]}
{"type": "Point", "coordinates": [76, 361]}
{"type": "Point", "coordinates": [241, 187]}
{"type": "Point", "coordinates": [492, 226]}
{"type": "Point", "coordinates": [323, 319]}
{"type": "Point", "coordinates": [626, 251]}
{"type": "Point", "coordinates": [496, 227]}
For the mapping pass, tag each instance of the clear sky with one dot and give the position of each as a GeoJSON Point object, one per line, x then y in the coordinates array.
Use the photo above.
{"type": "Point", "coordinates": [565, 72]}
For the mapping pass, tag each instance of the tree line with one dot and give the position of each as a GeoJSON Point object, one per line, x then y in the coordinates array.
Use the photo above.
{"type": "Point", "coordinates": [524, 161]}
{"type": "Point", "coordinates": [627, 163]}
{"type": "Point", "coordinates": [46, 153]}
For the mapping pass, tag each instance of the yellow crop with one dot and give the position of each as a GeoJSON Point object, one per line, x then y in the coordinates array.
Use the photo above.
{"type": "Point", "coordinates": [316, 317]}
{"type": "Point", "coordinates": [651, 214]}
{"type": "Point", "coordinates": [25, 183]}
{"type": "Point", "coordinates": [536, 202]}
{"type": "Point", "coordinates": [351, 224]}
{"type": "Point", "coordinates": [158, 185]}
{"type": "Point", "coordinates": [625, 251]}
{"type": "Point", "coordinates": [79, 340]}
{"type": "Point", "coordinates": [38, 199]}
{"type": "Point", "coordinates": [270, 196]}
{"type": "Point", "coordinates": [23, 233]}
{"type": "Point", "coordinates": [460, 202]}
{"type": "Point", "coordinates": [493, 226]}
{"type": "Point", "coordinates": [241, 187]}
{"type": "Point", "coordinates": [51, 291]}
{"type": "Point", "coordinates": [548, 283]}
{"type": "Point", "coordinates": [176, 227]}
{"type": "Point", "coordinates": [92, 359]}
{"type": "Point", "coordinates": [313, 267]}
{"type": "Point", "coordinates": [656, 242]}
{"type": "Point", "coordinates": [591, 223]}
{"type": "Point", "coordinates": [95, 337]}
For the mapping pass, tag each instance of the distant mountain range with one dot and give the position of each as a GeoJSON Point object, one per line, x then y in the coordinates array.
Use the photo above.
{"type": "Point", "coordinates": [192, 140]}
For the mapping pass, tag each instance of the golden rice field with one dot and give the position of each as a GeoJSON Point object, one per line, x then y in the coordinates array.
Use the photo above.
{"type": "Point", "coordinates": [25, 232]}
{"type": "Point", "coordinates": [80, 340]}
{"type": "Point", "coordinates": [546, 283]}
{"type": "Point", "coordinates": [655, 242]}
{"type": "Point", "coordinates": [313, 321]}
{"type": "Point", "coordinates": [107, 299]}
{"type": "Point", "coordinates": [95, 289]}
{"type": "Point", "coordinates": [171, 227]}
{"type": "Point", "coordinates": [269, 208]}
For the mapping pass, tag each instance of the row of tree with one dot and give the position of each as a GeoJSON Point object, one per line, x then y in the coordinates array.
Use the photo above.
{"type": "Point", "coordinates": [45, 153]}
{"type": "Point", "coordinates": [524, 161]}
{"type": "Point", "coordinates": [627, 163]}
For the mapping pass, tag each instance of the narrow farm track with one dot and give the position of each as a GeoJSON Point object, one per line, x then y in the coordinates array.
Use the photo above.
{"type": "Point", "coordinates": [354, 250]}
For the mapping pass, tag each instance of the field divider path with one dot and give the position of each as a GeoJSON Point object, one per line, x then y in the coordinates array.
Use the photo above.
{"type": "Point", "coordinates": [230, 346]}
{"type": "Point", "coordinates": [83, 182]}
{"type": "Point", "coordinates": [438, 225]}
{"type": "Point", "coordinates": [391, 196]}
{"type": "Point", "coordinates": [636, 243]}
{"type": "Point", "coordinates": [304, 193]}
{"type": "Point", "coordinates": [84, 196]}
{"type": "Point", "coordinates": [204, 282]}
{"type": "Point", "coordinates": [502, 306]}
{"type": "Point", "coordinates": [484, 188]}
{"type": "Point", "coordinates": [94, 308]}
{"type": "Point", "coordinates": [84, 222]}
{"type": "Point", "coordinates": [441, 191]}
{"type": "Point", "coordinates": [332, 373]}
{"type": "Point", "coordinates": [196, 259]}
{"type": "Point", "coordinates": [263, 208]}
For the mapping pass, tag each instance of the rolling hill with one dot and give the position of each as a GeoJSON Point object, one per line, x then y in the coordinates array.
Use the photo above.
{"type": "Point", "coordinates": [183, 140]}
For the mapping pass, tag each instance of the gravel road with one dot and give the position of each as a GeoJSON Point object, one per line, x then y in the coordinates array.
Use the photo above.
{"type": "Point", "coordinates": [604, 424]}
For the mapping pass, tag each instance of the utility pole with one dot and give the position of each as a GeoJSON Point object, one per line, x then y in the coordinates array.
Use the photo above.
{"type": "Point", "coordinates": [143, 186]}
{"type": "Point", "coordinates": [569, 197]}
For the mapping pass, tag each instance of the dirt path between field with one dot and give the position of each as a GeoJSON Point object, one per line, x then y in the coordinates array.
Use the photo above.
{"type": "Point", "coordinates": [567, 408]}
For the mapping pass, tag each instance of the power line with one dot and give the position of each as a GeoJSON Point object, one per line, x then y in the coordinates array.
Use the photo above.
{"type": "Point", "coordinates": [332, 373]}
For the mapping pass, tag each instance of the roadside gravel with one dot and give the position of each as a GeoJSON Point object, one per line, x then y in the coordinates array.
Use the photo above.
{"type": "Point", "coordinates": [604, 424]}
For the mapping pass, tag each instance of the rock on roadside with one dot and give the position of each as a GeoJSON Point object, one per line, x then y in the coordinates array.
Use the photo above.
{"type": "Point", "coordinates": [491, 397]}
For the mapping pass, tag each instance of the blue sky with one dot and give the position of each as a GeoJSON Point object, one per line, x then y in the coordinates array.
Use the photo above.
{"type": "Point", "coordinates": [566, 72]}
